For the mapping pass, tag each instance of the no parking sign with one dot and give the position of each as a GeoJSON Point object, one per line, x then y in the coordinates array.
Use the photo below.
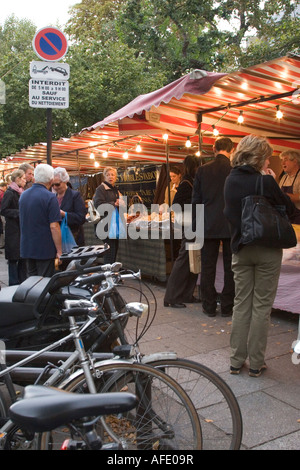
{"type": "Point", "coordinates": [50, 44]}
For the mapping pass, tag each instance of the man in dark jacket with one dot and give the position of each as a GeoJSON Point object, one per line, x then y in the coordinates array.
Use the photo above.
{"type": "Point", "coordinates": [208, 190]}
{"type": "Point", "coordinates": [39, 222]}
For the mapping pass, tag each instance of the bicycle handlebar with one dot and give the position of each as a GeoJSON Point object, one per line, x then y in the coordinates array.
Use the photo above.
{"type": "Point", "coordinates": [75, 311]}
{"type": "Point", "coordinates": [107, 271]}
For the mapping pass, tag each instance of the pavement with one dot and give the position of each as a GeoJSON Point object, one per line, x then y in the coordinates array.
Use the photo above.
{"type": "Point", "coordinates": [270, 404]}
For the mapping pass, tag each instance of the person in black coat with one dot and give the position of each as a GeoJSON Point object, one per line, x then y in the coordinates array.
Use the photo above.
{"type": "Point", "coordinates": [10, 210]}
{"type": "Point", "coordinates": [208, 190]}
{"type": "Point", "coordinates": [107, 194]}
{"type": "Point", "coordinates": [256, 268]}
{"type": "Point", "coordinates": [181, 283]}
{"type": "Point", "coordinates": [70, 202]}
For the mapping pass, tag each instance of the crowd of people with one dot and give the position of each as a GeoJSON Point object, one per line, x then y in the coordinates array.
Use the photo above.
{"type": "Point", "coordinates": [251, 273]}
{"type": "Point", "coordinates": [35, 201]}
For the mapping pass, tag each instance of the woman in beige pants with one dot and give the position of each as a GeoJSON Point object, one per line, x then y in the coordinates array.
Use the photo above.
{"type": "Point", "coordinates": [256, 268]}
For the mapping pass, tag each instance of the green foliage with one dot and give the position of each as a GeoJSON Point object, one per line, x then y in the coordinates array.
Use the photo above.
{"type": "Point", "coordinates": [119, 49]}
{"type": "Point", "coordinates": [105, 78]}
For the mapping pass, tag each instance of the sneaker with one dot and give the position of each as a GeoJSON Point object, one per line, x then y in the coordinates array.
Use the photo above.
{"type": "Point", "coordinates": [257, 372]}
{"type": "Point", "coordinates": [235, 370]}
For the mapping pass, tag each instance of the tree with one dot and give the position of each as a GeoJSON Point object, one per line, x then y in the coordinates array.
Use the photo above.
{"type": "Point", "coordinates": [103, 77]}
{"type": "Point", "coordinates": [119, 49]}
{"type": "Point", "coordinates": [106, 77]}
{"type": "Point", "coordinates": [280, 35]}
{"type": "Point", "coordinates": [21, 125]}
{"type": "Point", "coordinates": [175, 36]}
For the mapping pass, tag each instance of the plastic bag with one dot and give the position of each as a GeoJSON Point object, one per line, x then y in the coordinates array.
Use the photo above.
{"type": "Point", "coordinates": [195, 257]}
{"type": "Point", "coordinates": [67, 239]}
{"type": "Point", "coordinates": [94, 216]}
{"type": "Point", "coordinates": [116, 229]}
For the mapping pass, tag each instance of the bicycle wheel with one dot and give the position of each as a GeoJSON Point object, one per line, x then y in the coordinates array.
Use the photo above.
{"type": "Point", "coordinates": [16, 439]}
{"type": "Point", "coordinates": [165, 418]}
{"type": "Point", "coordinates": [217, 407]}
{"type": "Point", "coordinates": [4, 403]}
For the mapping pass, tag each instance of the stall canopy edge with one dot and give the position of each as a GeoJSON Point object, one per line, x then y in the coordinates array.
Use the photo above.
{"type": "Point", "coordinates": [135, 132]}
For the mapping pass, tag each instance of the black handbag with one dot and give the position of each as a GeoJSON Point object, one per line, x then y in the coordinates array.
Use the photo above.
{"type": "Point", "coordinates": [265, 224]}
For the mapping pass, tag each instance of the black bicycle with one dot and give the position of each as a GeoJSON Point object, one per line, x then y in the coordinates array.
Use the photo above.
{"type": "Point", "coordinates": [165, 415]}
{"type": "Point", "coordinates": [43, 409]}
{"type": "Point", "coordinates": [217, 407]}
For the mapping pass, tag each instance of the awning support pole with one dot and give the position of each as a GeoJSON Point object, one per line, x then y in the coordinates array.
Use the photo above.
{"type": "Point", "coordinates": [49, 136]}
{"type": "Point", "coordinates": [169, 203]}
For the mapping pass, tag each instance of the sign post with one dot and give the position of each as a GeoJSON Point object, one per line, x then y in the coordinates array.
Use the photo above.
{"type": "Point", "coordinates": [49, 86]}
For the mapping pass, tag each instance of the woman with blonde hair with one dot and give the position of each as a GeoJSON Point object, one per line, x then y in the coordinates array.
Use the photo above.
{"type": "Point", "coordinates": [108, 193]}
{"type": "Point", "coordinates": [256, 268]}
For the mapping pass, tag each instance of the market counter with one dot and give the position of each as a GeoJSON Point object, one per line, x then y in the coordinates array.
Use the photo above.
{"type": "Point", "coordinates": [151, 256]}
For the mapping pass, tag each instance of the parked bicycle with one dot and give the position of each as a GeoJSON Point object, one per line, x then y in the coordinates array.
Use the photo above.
{"type": "Point", "coordinates": [209, 393]}
{"type": "Point", "coordinates": [44, 409]}
{"type": "Point", "coordinates": [164, 413]}
{"type": "Point", "coordinates": [30, 312]}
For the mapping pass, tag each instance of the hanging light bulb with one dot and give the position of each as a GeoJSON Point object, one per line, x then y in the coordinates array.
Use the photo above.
{"type": "Point", "coordinates": [125, 155]}
{"type": "Point", "coordinates": [198, 153]}
{"type": "Point", "coordinates": [92, 156]}
{"type": "Point", "coordinates": [105, 154]}
{"type": "Point", "coordinates": [138, 148]}
{"type": "Point", "coordinates": [240, 118]}
{"type": "Point", "coordinates": [96, 164]}
{"type": "Point", "coordinates": [165, 136]}
{"type": "Point", "coordinates": [188, 143]}
{"type": "Point", "coordinates": [279, 114]}
{"type": "Point", "coordinates": [215, 131]}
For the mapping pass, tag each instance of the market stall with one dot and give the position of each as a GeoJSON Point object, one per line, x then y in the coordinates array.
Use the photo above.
{"type": "Point", "coordinates": [149, 250]}
{"type": "Point", "coordinates": [288, 292]}
{"type": "Point", "coordinates": [156, 127]}
{"type": "Point", "coordinates": [183, 117]}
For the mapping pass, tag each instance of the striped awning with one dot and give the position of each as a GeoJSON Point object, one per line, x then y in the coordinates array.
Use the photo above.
{"type": "Point", "coordinates": [188, 109]}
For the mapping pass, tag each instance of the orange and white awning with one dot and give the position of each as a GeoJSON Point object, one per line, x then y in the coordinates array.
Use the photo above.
{"type": "Point", "coordinates": [188, 109]}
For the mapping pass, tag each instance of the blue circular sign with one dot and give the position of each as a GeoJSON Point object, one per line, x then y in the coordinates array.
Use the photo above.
{"type": "Point", "coordinates": [50, 44]}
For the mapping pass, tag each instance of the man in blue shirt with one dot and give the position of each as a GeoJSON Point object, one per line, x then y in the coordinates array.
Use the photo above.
{"type": "Point", "coordinates": [39, 222]}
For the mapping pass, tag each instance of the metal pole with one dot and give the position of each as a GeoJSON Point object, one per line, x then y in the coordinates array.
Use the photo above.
{"type": "Point", "coordinates": [78, 169]}
{"type": "Point", "coordinates": [49, 136]}
{"type": "Point", "coordinates": [200, 137]}
{"type": "Point", "coordinates": [169, 200]}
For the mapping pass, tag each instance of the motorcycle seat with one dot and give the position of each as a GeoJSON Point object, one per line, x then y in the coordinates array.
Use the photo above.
{"type": "Point", "coordinates": [17, 302]}
{"type": "Point", "coordinates": [28, 300]}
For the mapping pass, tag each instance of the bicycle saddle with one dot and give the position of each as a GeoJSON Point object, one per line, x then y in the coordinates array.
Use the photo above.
{"type": "Point", "coordinates": [44, 408]}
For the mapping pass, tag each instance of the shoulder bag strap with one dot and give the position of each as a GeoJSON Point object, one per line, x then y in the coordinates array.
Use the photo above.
{"type": "Point", "coordinates": [187, 181]}
{"type": "Point", "coordinates": [259, 190]}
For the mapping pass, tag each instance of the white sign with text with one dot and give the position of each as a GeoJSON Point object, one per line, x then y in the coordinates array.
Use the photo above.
{"type": "Point", "coordinates": [49, 93]}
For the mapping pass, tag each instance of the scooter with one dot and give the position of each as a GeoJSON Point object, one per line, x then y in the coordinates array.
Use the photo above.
{"type": "Point", "coordinates": [30, 312]}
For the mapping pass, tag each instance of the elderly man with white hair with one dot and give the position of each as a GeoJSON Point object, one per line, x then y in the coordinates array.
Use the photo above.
{"type": "Point", "coordinates": [40, 224]}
